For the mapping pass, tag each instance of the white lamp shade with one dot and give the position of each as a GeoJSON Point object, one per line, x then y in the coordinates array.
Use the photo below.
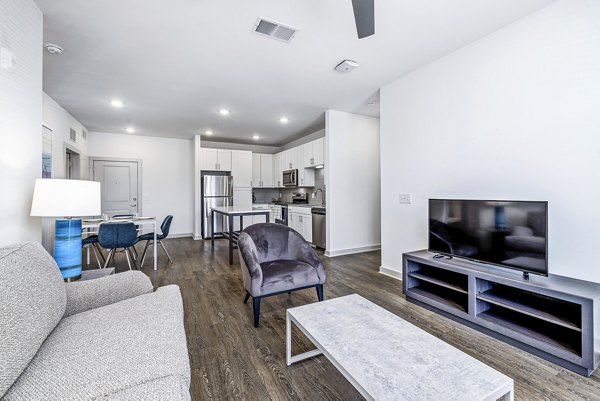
{"type": "Point", "coordinates": [65, 198]}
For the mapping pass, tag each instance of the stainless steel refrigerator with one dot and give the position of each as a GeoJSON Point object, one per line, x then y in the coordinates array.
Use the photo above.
{"type": "Point", "coordinates": [217, 190]}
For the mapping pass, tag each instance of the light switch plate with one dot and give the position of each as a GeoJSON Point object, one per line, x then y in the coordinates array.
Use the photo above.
{"type": "Point", "coordinates": [405, 199]}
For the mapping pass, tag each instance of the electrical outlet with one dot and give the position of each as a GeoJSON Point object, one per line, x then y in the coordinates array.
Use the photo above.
{"type": "Point", "coordinates": [405, 199]}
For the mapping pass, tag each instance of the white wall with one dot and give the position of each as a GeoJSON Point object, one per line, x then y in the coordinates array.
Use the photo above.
{"type": "Point", "coordinates": [167, 173]}
{"type": "Point", "coordinates": [55, 117]}
{"type": "Point", "coordinates": [20, 118]}
{"type": "Point", "coordinates": [515, 115]}
{"type": "Point", "coordinates": [352, 181]}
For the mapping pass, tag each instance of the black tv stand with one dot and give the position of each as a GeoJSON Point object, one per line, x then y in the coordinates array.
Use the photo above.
{"type": "Point", "coordinates": [553, 317]}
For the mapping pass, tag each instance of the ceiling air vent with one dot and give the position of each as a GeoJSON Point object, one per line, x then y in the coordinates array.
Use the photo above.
{"type": "Point", "coordinates": [274, 30]}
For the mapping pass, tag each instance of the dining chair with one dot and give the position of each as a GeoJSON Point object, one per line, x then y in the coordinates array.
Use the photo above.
{"type": "Point", "coordinates": [118, 236]}
{"type": "Point", "coordinates": [91, 241]}
{"type": "Point", "coordinates": [164, 228]}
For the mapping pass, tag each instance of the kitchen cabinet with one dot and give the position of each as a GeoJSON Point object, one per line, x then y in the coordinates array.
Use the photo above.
{"type": "Point", "coordinates": [262, 170]}
{"type": "Point", "coordinates": [279, 166]}
{"type": "Point", "coordinates": [300, 219]}
{"type": "Point", "coordinates": [306, 177]}
{"type": "Point", "coordinates": [293, 158]}
{"type": "Point", "coordinates": [241, 168]}
{"type": "Point", "coordinates": [313, 153]}
{"type": "Point", "coordinates": [216, 159]}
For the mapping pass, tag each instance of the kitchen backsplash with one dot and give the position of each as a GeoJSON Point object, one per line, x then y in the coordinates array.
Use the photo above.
{"type": "Point", "coordinates": [266, 195]}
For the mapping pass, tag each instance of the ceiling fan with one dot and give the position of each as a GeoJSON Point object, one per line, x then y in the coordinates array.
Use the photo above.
{"type": "Point", "coordinates": [364, 16]}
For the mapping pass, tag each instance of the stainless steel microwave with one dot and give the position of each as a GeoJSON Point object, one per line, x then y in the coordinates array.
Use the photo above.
{"type": "Point", "coordinates": [290, 178]}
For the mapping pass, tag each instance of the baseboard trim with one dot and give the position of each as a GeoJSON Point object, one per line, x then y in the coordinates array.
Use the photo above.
{"type": "Point", "coordinates": [390, 272]}
{"type": "Point", "coordinates": [350, 251]}
{"type": "Point", "coordinates": [181, 235]}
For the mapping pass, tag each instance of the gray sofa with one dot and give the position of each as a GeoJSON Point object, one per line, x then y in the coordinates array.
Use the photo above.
{"type": "Point", "coordinates": [111, 338]}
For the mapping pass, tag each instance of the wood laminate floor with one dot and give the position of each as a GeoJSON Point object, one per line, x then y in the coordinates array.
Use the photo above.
{"type": "Point", "coordinates": [231, 359]}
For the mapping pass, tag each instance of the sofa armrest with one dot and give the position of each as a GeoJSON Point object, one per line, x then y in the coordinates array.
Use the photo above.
{"type": "Point", "coordinates": [299, 249]}
{"type": "Point", "coordinates": [86, 295]}
{"type": "Point", "coordinates": [252, 274]}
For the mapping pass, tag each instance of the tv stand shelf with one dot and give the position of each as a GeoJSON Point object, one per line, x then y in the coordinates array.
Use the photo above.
{"type": "Point", "coordinates": [553, 317]}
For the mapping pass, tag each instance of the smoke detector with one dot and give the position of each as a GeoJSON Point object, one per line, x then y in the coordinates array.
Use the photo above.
{"type": "Point", "coordinates": [346, 66]}
{"type": "Point", "coordinates": [53, 49]}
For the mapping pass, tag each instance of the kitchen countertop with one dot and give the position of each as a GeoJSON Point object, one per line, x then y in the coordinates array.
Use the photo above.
{"type": "Point", "coordinates": [236, 210]}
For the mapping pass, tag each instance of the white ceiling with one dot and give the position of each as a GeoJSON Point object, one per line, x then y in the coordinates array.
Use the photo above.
{"type": "Point", "coordinates": [175, 63]}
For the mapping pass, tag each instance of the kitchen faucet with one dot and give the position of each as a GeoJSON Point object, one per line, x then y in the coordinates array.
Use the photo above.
{"type": "Point", "coordinates": [322, 196]}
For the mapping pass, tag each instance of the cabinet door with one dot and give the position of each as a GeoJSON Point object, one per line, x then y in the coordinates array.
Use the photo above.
{"type": "Point", "coordinates": [224, 159]}
{"type": "Point", "coordinates": [318, 148]}
{"type": "Point", "coordinates": [307, 155]}
{"type": "Point", "coordinates": [256, 170]}
{"type": "Point", "coordinates": [290, 159]}
{"type": "Point", "coordinates": [209, 159]}
{"type": "Point", "coordinates": [276, 172]}
{"type": "Point", "coordinates": [280, 169]}
{"type": "Point", "coordinates": [241, 168]}
{"type": "Point", "coordinates": [266, 170]}
{"type": "Point", "coordinates": [307, 227]}
{"type": "Point", "coordinates": [306, 177]}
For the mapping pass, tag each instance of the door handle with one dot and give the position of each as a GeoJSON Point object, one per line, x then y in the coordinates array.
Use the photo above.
{"type": "Point", "coordinates": [133, 205]}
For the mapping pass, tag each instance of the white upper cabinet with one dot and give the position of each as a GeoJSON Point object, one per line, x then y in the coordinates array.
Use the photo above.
{"type": "Point", "coordinates": [262, 170]}
{"type": "Point", "coordinates": [224, 159]}
{"type": "Point", "coordinates": [216, 159]}
{"type": "Point", "coordinates": [266, 170]}
{"type": "Point", "coordinates": [314, 153]}
{"type": "Point", "coordinates": [241, 168]}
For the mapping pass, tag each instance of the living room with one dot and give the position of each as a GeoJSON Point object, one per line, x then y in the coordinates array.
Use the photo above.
{"type": "Point", "coordinates": [493, 102]}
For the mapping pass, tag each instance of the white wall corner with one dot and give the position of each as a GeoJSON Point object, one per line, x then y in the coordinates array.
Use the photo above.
{"type": "Point", "coordinates": [394, 273]}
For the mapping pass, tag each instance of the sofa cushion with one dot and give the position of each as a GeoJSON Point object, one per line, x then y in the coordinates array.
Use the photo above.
{"type": "Point", "coordinates": [283, 275]}
{"type": "Point", "coordinates": [106, 351]}
{"type": "Point", "coordinates": [32, 302]}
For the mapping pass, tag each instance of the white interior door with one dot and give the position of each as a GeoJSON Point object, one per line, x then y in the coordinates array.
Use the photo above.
{"type": "Point", "coordinates": [119, 181]}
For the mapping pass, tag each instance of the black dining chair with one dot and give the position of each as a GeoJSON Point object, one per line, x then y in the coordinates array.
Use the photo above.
{"type": "Point", "coordinates": [164, 228]}
{"type": "Point", "coordinates": [118, 236]}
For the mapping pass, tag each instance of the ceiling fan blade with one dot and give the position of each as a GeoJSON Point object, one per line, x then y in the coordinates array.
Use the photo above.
{"type": "Point", "coordinates": [364, 15]}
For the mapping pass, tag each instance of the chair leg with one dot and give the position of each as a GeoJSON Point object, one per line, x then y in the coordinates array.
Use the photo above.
{"type": "Point", "coordinates": [96, 255]}
{"type": "Point", "coordinates": [127, 256]}
{"type": "Point", "coordinates": [320, 292]}
{"type": "Point", "coordinates": [256, 303]}
{"type": "Point", "coordinates": [111, 254]}
{"type": "Point", "coordinates": [97, 246]}
{"type": "Point", "coordinates": [165, 249]}
{"type": "Point", "coordinates": [144, 253]}
{"type": "Point", "coordinates": [134, 253]}
{"type": "Point", "coordinates": [247, 297]}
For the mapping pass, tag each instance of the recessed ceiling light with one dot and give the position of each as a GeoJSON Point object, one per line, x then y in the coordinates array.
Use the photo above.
{"type": "Point", "coordinates": [130, 130]}
{"type": "Point", "coordinates": [223, 112]}
{"type": "Point", "coordinates": [208, 132]}
{"type": "Point", "coordinates": [255, 137]}
{"type": "Point", "coordinates": [284, 120]}
{"type": "Point", "coordinates": [116, 103]}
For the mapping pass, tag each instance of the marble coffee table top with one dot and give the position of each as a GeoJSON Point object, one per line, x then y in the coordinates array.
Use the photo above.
{"type": "Point", "coordinates": [390, 359]}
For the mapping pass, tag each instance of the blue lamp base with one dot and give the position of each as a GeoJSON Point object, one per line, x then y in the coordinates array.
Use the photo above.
{"type": "Point", "coordinates": [67, 248]}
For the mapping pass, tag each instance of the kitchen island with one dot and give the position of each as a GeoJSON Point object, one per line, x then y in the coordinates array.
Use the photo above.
{"type": "Point", "coordinates": [230, 212]}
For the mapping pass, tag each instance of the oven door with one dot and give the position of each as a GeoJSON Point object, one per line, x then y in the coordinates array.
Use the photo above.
{"type": "Point", "coordinates": [290, 178]}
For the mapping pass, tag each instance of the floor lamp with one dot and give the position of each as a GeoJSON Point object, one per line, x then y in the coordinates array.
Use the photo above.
{"type": "Point", "coordinates": [66, 199]}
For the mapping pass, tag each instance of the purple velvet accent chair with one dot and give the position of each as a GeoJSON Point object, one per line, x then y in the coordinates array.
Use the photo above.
{"type": "Point", "coordinates": [275, 259]}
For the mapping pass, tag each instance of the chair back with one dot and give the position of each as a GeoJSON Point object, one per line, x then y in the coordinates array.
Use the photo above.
{"type": "Point", "coordinates": [271, 241]}
{"type": "Point", "coordinates": [117, 235]}
{"type": "Point", "coordinates": [166, 226]}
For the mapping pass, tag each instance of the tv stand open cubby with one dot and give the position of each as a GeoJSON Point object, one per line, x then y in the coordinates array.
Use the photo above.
{"type": "Point", "coordinates": [553, 317]}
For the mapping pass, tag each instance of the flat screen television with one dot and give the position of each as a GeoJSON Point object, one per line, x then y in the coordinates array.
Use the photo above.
{"type": "Point", "coordinates": [511, 234]}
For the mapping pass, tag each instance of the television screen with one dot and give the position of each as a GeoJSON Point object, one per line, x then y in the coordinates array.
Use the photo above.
{"type": "Point", "coordinates": [511, 234]}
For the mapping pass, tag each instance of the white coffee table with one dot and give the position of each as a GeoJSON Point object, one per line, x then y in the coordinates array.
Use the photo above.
{"type": "Point", "coordinates": [387, 358]}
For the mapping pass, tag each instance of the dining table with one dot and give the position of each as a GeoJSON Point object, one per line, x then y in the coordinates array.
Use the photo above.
{"type": "Point", "coordinates": [230, 212]}
{"type": "Point", "coordinates": [91, 226]}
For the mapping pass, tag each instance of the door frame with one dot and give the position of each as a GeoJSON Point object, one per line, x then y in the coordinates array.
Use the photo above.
{"type": "Point", "coordinates": [123, 159]}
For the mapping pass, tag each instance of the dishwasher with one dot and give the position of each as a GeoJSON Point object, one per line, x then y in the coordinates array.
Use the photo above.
{"type": "Point", "coordinates": [318, 227]}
